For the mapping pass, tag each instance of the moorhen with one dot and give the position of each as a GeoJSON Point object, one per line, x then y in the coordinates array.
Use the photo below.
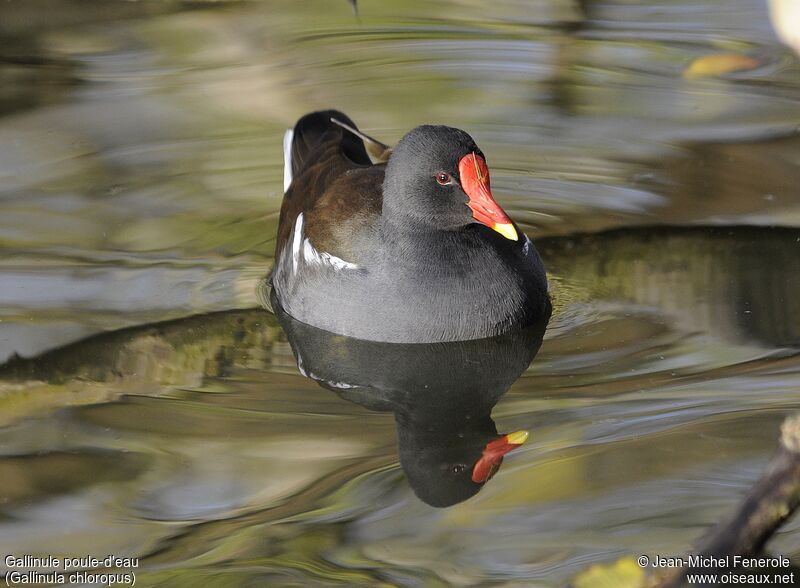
{"type": "Point", "coordinates": [415, 250]}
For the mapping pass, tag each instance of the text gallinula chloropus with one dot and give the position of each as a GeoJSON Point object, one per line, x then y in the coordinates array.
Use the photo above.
{"type": "Point", "coordinates": [414, 250]}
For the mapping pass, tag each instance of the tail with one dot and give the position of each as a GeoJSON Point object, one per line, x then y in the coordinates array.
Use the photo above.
{"type": "Point", "coordinates": [311, 131]}
{"type": "Point", "coordinates": [316, 128]}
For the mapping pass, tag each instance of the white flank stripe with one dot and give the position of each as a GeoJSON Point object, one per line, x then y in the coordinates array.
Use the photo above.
{"type": "Point", "coordinates": [311, 255]}
{"type": "Point", "coordinates": [287, 159]}
{"type": "Point", "coordinates": [297, 237]}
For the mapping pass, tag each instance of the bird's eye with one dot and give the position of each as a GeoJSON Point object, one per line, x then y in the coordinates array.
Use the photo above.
{"type": "Point", "coordinates": [443, 178]}
{"type": "Point", "coordinates": [458, 468]}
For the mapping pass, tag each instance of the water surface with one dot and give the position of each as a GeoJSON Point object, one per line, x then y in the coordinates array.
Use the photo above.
{"type": "Point", "coordinates": [141, 175]}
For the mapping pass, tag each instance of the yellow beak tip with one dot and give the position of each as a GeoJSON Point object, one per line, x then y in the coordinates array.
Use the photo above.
{"type": "Point", "coordinates": [517, 437]}
{"type": "Point", "coordinates": [507, 230]}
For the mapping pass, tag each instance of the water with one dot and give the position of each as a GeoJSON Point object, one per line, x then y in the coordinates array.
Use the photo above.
{"type": "Point", "coordinates": [141, 174]}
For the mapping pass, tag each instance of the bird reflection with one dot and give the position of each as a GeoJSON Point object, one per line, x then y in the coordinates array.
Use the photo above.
{"type": "Point", "coordinates": [441, 395]}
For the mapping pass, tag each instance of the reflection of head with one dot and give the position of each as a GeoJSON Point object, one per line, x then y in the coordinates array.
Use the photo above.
{"type": "Point", "coordinates": [441, 475]}
{"type": "Point", "coordinates": [444, 466]}
{"type": "Point", "coordinates": [441, 394]}
{"type": "Point", "coordinates": [449, 461]}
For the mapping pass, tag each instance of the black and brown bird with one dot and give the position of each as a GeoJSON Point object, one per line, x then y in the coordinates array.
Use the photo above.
{"type": "Point", "coordinates": [413, 249]}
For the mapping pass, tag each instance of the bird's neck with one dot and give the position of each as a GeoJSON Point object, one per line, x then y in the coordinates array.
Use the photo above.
{"type": "Point", "coordinates": [417, 242]}
{"type": "Point", "coordinates": [418, 429]}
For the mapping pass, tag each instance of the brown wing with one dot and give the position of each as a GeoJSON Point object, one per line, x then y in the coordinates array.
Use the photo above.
{"type": "Point", "coordinates": [334, 185]}
{"type": "Point", "coordinates": [348, 207]}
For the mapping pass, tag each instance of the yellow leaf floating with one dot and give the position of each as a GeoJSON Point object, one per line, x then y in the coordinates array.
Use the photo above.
{"type": "Point", "coordinates": [624, 573]}
{"type": "Point", "coordinates": [719, 64]}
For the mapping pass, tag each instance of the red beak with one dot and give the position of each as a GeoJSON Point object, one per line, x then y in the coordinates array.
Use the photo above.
{"type": "Point", "coordinates": [475, 182]}
{"type": "Point", "coordinates": [493, 453]}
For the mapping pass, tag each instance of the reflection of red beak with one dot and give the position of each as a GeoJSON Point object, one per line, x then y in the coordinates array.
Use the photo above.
{"type": "Point", "coordinates": [474, 177]}
{"type": "Point", "coordinates": [493, 453]}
